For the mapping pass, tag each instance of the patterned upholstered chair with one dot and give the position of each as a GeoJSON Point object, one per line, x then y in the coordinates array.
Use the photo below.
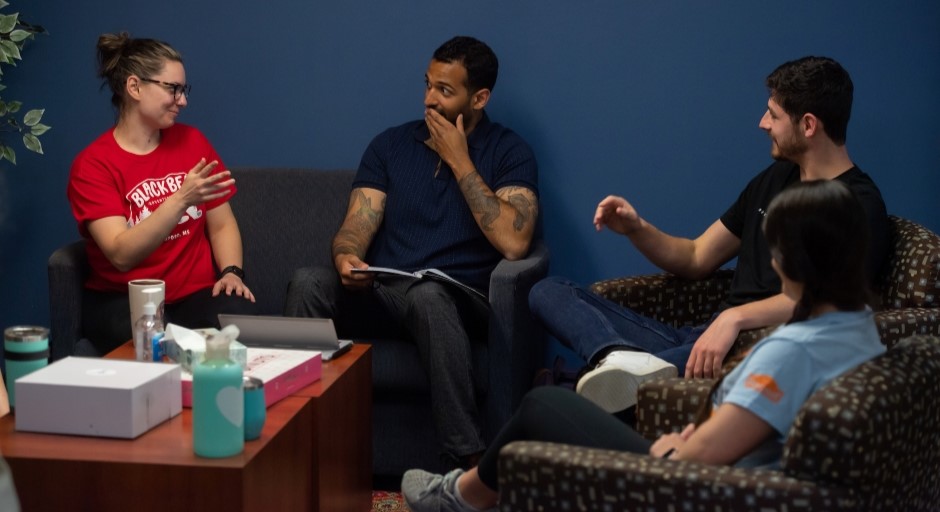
{"type": "Point", "coordinates": [866, 441]}
{"type": "Point", "coordinates": [907, 303]}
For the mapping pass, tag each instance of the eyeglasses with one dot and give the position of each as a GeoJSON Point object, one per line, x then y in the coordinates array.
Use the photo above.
{"type": "Point", "coordinates": [177, 89]}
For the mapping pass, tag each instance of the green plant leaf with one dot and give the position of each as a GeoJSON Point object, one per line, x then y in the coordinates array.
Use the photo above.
{"type": "Point", "coordinates": [10, 48]}
{"type": "Point", "coordinates": [8, 153]}
{"type": "Point", "coordinates": [14, 106]}
{"type": "Point", "coordinates": [33, 116]}
{"type": "Point", "coordinates": [2, 87]}
{"type": "Point", "coordinates": [32, 143]}
{"type": "Point", "coordinates": [8, 22]}
{"type": "Point", "coordinates": [19, 35]}
{"type": "Point", "coordinates": [39, 129]}
{"type": "Point", "coordinates": [3, 3]}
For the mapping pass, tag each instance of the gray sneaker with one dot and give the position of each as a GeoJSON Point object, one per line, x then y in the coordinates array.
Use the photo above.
{"type": "Point", "coordinates": [613, 385]}
{"type": "Point", "coordinates": [428, 492]}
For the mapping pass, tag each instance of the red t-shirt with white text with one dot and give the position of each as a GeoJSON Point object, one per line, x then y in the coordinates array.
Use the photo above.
{"type": "Point", "coordinates": [107, 181]}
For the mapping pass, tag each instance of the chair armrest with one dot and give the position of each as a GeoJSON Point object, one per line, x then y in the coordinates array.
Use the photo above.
{"type": "Point", "coordinates": [516, 340]}
{"type": "Point", "coordinates": [667, 298]}
{"type": "Point", "coordinates": [897, 324]}
{"type": "Point", "coordinates": [875, 428]}
{"type": "Point", "coordinates": [547, 476]}
{"type": "Point", "coordinates": [67, 270]}
{"type": "Point", "coordinates": [668, 405]}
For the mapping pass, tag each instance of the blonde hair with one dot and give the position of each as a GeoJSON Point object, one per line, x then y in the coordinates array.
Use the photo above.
{"type": "Point", "coordinates": [120, 56]}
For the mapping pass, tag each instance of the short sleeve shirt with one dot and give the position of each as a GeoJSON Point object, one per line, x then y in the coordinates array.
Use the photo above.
{"type": "Point", "coordinates": [427, 222]}
{"type": "Point", "coordinates": [754, 278]}
{"type": "Point", "coordinates": [784, 369]}
{"type": "Point", "coordinates": [107, 181]}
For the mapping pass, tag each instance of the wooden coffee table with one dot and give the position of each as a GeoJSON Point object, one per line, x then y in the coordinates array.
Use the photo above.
{"type": "Point", "coordinates": [315, 453]}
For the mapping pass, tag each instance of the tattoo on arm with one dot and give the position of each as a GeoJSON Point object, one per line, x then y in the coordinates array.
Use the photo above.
{"type": "Point", "coordinates": [480, 199]}
{"type": "Point", "coordinates": [524, 209]}
{"type": "Point", "coordinates": [360, 225]}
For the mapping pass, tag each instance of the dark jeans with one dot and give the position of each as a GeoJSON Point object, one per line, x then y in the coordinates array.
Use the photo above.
{"type": "Point", "coordinates": [590, 324]}
{"type": "Point", "coordinates": [440, 319]}
{"type": "Point", "coordinates": [106, 315]}
{"type": "Point", "coordinates": [558, 415]}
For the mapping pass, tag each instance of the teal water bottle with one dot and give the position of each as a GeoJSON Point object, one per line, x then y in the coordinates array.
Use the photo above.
{"type": "Point", "coordinates": [218, 400]}
{"type": "Point", "coordinates": [255, 408]}
{"type": "Point", "coordinates": [26, 350]}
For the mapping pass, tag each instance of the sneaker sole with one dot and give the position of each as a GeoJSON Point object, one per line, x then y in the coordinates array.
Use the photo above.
{"type": "Point", "coordinates": [614, 389]}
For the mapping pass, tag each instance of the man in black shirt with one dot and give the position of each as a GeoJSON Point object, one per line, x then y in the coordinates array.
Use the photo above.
{"type": "Point", "coordinates": [807, 117]}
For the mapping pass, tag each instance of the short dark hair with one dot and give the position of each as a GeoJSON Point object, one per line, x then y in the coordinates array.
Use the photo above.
{"type": "Point", "coordinates": [818, 233]}
{"type": "Point", "coordinates": [479, 60]}
{"type": "Point", "coordinates": [815, 85]}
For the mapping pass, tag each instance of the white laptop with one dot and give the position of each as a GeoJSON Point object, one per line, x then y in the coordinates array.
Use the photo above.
{"type": "Point", "coordinates": [288, 332]}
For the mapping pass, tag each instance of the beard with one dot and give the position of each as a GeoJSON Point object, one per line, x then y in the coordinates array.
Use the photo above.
{"type": "Point", "coordinates": [789, 148]}
{"type": "Point", "coordinates": [452, 116]}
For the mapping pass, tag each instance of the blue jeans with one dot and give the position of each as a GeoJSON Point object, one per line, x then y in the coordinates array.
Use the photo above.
{"type": "Point", "coordinates": [590, 324]}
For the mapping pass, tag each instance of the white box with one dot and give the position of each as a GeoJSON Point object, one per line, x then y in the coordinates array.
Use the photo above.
{"type": "Point", "coordinates": [98, 397]}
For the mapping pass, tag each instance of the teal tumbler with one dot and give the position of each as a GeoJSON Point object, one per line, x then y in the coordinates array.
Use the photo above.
{"type": "Point", "coordinates": [255, 408]}
{"type": "Point", "coordinates": [26, 350]}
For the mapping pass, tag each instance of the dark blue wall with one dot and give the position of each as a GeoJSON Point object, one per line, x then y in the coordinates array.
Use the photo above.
{"type": "Point", "coordinates": [657, 101]}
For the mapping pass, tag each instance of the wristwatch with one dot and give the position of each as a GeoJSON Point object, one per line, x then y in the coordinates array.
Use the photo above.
{"type": "Point", "coordinates": [233, 269]}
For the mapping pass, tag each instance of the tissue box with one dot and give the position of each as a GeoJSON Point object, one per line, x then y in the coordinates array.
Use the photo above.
{"type": "Point", "coordinates": [98, 397]}
{"type": "Point", "coordinates": [188, 347]}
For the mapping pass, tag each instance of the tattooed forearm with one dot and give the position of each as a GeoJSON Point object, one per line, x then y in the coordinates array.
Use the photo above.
{"type": "Point", "coordinates": [360, 225]}
{"type": "Point", "coordinates": [480, 199]}
{"type": "Point", "coordinates": [346, 242]}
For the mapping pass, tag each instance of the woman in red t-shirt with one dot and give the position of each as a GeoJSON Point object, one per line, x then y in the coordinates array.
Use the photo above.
{"type": "Point", "coordinates": [151, 200]}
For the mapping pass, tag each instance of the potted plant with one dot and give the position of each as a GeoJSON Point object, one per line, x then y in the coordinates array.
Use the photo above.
{"type": "Point", "coordinates": [14, 33]}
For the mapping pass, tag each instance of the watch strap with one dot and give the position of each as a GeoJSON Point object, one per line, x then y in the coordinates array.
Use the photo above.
{"type": "Point", "coordinates": [233, 269]}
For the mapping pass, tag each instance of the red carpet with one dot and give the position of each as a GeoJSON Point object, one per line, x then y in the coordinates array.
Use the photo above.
{"type": "Point", "coordinates": [386, 501]}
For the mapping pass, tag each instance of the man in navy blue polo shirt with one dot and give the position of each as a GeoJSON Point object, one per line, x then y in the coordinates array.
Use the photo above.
{"type": "Point", "coordinates": [452, 191]}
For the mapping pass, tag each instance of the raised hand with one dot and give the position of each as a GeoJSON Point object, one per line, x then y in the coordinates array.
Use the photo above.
{"type": "Point", "coordinates": [617, 214]}
{"type": "Point", "coordinates": [200, 185]}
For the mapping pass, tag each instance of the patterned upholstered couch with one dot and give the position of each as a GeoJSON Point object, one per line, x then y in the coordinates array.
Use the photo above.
{"type": "Point", "coordinates": [866, 441]}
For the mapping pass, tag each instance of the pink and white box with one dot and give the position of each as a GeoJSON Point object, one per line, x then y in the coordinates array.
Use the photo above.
{"type": "Point", "coordinates": [282, 371]}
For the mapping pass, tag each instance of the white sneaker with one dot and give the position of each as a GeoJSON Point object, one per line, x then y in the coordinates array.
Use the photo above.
{"type": "Point", "coordinates": [613, 385]}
